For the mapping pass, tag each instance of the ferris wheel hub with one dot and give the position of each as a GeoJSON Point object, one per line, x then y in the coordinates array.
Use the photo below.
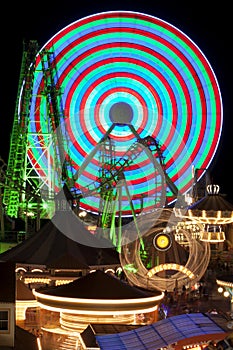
{"type": "Point", "coordinates": [121, 113]}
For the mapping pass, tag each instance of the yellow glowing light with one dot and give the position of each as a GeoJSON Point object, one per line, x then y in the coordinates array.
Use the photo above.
{"type": "Point", "coordinates": [212, 236]}
{"type": "Point", "coordinates": [224, 283]}
{"type": "Point", "coordinates": [62, 282]}
{"type": "Point", "coordinates": [29, 280]}
{"type": "Point", "coordinates": [203, 217]}
{"type": "Point", "coordinates": [170, 266]}
{"type": "Point", "coordinates": [162, 241]}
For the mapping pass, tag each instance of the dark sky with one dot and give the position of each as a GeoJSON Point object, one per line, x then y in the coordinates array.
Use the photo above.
{"type": "Point", "coordinates": [207, 23]}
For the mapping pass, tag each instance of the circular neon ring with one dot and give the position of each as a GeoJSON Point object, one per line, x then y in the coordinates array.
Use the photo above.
{"type": "Point", "coordinates": [130, 57]}
{"type": "Point", "coordinates": [191, 271]}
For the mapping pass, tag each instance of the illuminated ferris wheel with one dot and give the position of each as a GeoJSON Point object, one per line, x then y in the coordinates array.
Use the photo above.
{"type": "Point", "coordinates": [117, 97]}
{"type": "Point", "coordinates": [132, 58]}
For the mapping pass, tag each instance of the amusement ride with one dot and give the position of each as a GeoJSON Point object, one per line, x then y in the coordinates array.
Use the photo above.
{"type": "Point", "coordinates": [125, 110]}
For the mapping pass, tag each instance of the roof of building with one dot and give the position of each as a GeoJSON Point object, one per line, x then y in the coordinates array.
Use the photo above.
{"type": "Point", "coordinates": [98, 285]}
{"type": "Point", "coordinates": [66, 261]}
{"type": "Point", "coordinates": [161, 334]}
{"type": "Point", "coordinates": [60, 243]}
{"type": "Point", "coordinates": [212, 202]}
{"type": "Point", "coordinates": [89, 334]}
{"type": "Point", "coordinates": [23, 292]}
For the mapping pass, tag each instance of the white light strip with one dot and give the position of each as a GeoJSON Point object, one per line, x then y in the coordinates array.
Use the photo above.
{"type": "Point", "coordinates": [18, 269]}
{"type": "Point", "coordinates": [98, 301]}
{"type": "Point", "coordinates": [91, 312]}
{"type": "Point", "coordinates": [39, 343]}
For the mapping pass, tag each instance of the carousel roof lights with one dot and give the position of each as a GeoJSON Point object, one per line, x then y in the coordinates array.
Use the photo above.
{"type": "Point", "coordinates": [86, 296]}
{"type": "Point", "coordinates": [212, 236]}
{"type": "Point", "coordinates": [114, 311]}
{"type": "Point", "coordinates": [211, 211]}
{"type": "Point", "coordinates": [72, 300]}
{"type": "Point", "coordinates": [225, 283]}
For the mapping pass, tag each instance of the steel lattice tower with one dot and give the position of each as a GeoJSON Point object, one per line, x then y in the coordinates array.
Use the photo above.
{"type": "Point", "coordinates": [23, 187]}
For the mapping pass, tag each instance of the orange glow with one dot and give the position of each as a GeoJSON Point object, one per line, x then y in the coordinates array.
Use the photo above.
{"type": "Point", "coordinates": [170, 266]}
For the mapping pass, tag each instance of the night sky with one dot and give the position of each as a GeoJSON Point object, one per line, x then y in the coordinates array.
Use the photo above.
{"type": "Point", "coordinates": [207, 23]}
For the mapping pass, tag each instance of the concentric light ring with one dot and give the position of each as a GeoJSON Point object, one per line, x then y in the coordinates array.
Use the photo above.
{"type": "Point", "coordinates": [130, 57]}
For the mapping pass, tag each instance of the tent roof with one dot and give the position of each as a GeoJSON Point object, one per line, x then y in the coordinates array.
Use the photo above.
{"type": "Point", "coordinates": [98, 285]}
{"type": "Point", "coordinates": [23, 292]}
{"type": "Point", "coordinates": [212, 202]}
{"type": "Point", "coordinates": [63, 241]}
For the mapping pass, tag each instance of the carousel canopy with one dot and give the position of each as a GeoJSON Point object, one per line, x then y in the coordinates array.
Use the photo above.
{"type": "Point", "coordinates": [99, 285]}
{"type": "Point", "coordinates": [98, 293]}
{"type": "Point", "coordinates": [57, 244]}
{"type": "Point", "coordinates": [212, 209]}
{"type": "Point", "coordinates": [212, 201]}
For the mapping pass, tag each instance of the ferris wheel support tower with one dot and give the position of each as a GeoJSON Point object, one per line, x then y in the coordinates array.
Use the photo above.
{"type": "Point", "coordinates": [25, 199]}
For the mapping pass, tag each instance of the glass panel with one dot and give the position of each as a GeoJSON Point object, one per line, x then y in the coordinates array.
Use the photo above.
{"type": "Point", "coordinates": [4, 318]}
{"type": "Point", "coordinates": [3, 315]}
